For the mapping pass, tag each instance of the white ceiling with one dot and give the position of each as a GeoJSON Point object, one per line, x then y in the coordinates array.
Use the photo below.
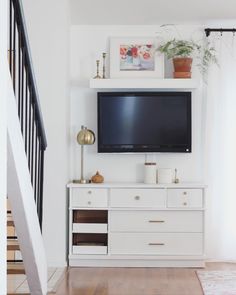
{"type": "Point", "coordinates": [149, 12]}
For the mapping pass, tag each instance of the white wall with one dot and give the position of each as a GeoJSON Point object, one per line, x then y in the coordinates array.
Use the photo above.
{"type": "Point", "coordinates": [49, 39]}
{"type": "Point", "coordinates": [87, 45]}
{"type": "Point", "coordinates": [3, 142]}
{"type": "Point", "coordinates": [48, 30]}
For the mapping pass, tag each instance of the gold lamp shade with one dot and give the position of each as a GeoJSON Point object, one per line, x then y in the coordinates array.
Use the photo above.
{"type": "Point", "coordinates": [85, 136]}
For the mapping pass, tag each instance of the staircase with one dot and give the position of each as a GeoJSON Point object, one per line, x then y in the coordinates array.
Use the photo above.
{"type": "Point", "coordinates": [25, 168]}
{"type": "Point", "coordinates": [14, 262]}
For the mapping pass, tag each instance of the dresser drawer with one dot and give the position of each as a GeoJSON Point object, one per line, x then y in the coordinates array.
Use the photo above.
{"type": "Point", "coordinates": [89, 250]}
{"type": "Point", "coordinates": [156, 221]}
{"type": "Point", "coordinates": [156, 244]}
{"type": "Point", "coordinates": [89, 198]}
{"type": "Point", "coordinates": [153, 198]}
{"type": "Point", "coordinates": [184, 198]}
{"type": "Point", "coordinates": [89, 228]}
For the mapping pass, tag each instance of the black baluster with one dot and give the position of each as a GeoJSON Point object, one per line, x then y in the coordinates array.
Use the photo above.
{"type": "Point", "coordinates": [10, 38]}
{"type": "Point", "coordinates": [22, 89]}
{"type": "Point", "coordinates": [19, 70]}
{"type": "Point", "coordinates": [26, 111]}
{"type": "Point", "coordinates": [32, 145]}
{"type": "Point", "coordinates": [41, 190]}
{"type": "Point", "coordinates": [39, 174]}
{"type": "Point", "coordinates": [30, 131]}
{"type": "Point", "coordinates": [36, 162]}
{"type": "Point", "coordinates": [14, 54]}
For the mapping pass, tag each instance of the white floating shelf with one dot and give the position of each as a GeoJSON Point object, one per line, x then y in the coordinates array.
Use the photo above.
{"type": "Point", "coordinates": [167, 84]}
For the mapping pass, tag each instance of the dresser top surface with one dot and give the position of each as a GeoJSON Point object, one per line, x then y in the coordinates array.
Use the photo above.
{"type": "Point", "coordinates": [137, 185]}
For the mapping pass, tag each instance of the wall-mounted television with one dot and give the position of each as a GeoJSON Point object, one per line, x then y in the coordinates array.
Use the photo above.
{"type": "Point", "coordinates": [144, 122]}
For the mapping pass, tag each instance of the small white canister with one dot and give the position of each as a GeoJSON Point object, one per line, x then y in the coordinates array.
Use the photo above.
{"type": "Point", "coordinates": [164, 175]}
{"type": "Point", "coordinates": [150, 174]}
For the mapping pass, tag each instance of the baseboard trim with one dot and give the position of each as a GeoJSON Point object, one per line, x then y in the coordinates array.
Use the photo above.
{"type": "Point", "coordinates": [135, 263]}
{"type": "Point", "coordinates": [220, 261]}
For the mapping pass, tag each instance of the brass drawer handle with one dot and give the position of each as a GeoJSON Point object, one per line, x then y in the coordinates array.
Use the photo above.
{"type": "Point", "coordinates": [156, 221]}
{"type": "Point", "coordinates": [89, 192]}
{"type": "Point", "coordinates": [89, 202]}
{"type": "Point", "coordinates": [185, 203]}
{"type": "Point", "coordinates": [156, 244]}
{"type": "Point", "coordinates": [137, 198]}
{"type": "Point", "coordinates": [184, 193]}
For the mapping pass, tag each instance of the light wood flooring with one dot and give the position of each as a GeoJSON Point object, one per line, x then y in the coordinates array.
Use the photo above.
{"type": "Point", "coordinates": [17, 283]}
{"type": "Point", "coordinates": [135, 281]}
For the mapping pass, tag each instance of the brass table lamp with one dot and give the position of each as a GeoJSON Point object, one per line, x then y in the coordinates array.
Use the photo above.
{"type": "Point", "coordinates": [84, 137]}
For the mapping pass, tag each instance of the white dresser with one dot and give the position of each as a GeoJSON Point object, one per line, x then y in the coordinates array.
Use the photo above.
{"type": "Point", "coordinates": [136, 225]}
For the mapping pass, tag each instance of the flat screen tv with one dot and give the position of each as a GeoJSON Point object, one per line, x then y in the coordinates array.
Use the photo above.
{"type": "Point", "coordinates": [144, 122]}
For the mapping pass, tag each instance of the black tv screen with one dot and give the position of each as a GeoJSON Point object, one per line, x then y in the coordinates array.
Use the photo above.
{"type": "Point", "coordinates": [144, 122]}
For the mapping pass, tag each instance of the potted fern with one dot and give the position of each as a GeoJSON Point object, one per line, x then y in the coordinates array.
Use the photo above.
{"type": "Point", "coordinates": [182, 52]}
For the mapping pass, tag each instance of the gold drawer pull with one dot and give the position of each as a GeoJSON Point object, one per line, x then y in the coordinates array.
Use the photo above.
{"type": "Point", "coordinates": [89, 192]}
{"type": "Point", "coordinates": [156, 244]}
{"type": "Point", "coordinates": [184, 193]}
{"type": "Point", "coordinates": [137, 198]}
{"type": "Point", "coordinates": [89, 202]}
{"type": "Point", "coordinates": [156, 221]}
{"type": "Point", "coordinates": [185, 203]}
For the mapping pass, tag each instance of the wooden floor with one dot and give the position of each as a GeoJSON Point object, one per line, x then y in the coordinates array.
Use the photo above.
{"type": "Point", "coordinates": [17, 283]}
{"type": "Point", "coordinates": [135, 281]}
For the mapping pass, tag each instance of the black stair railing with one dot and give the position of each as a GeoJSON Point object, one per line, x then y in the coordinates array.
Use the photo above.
{"type": "Point", "coordinates": [29, 112]}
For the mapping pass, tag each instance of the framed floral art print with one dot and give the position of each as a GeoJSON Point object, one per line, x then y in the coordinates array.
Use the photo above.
{"type": "Point", "coordinates": [135, 58]}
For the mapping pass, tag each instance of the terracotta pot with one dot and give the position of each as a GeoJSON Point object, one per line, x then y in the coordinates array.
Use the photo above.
{"type": "Point", "coordinates": [97, 178]}
{"type": "Point", "coordinates": [182, 66]}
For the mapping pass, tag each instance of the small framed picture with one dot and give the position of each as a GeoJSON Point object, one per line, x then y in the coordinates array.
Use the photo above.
{"type": "Point", "coordinates": [135, 58]}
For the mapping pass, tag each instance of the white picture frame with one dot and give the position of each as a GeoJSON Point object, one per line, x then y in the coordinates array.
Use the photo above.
{"type": "Point", "coordinates": [135, 57]}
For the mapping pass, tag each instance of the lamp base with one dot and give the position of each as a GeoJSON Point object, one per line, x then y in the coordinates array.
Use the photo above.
{"type": "Point", "coordinates": [81, 181]}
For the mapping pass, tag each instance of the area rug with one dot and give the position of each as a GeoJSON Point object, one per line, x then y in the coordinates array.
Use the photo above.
{"type": "Point", "coordinates": [218, 282]}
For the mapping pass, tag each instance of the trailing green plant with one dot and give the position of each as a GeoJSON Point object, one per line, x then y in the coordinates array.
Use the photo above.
{"type": "Point", "coordinates": [205, 54]}
{"type": "Point", "coordinates": [207, 57]}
